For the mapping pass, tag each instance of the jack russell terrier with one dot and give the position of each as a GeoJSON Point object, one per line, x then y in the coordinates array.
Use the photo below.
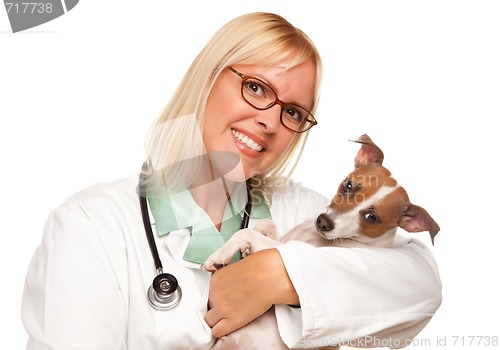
{"type": "Point", "coordinates": [366, 211]}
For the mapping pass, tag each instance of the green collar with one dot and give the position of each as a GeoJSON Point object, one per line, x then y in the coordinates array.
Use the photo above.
{"type": "Point", "coordinates": [174, 211]}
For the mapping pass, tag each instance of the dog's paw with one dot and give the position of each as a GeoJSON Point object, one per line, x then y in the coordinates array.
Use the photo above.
{"type": "Point", "coordinates": [213, 264]}
{"type": "Point", "coordinates": [220, 258]}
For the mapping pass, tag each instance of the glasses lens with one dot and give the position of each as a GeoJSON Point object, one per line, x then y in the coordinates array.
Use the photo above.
{"type": "Point", "coordinates": [262, 96]}
{"type": "Point", "coordinates": [257, 93]}
{"type": "Point", "coordinates": [296, 118]}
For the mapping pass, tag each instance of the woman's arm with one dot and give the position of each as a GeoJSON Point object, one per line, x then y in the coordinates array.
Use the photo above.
{"type": "Point", "coordinates": [359, 296]}
{"type": "Point", "coordinates": [354, 296]}
{"type": "Point", "coordinates": [71, 299]}
{"type": "Point", "coordinates": [241, 292]}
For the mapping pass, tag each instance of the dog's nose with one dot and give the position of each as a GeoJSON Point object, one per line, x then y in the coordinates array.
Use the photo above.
{"type": "Point", "coordinates": [324, 223]}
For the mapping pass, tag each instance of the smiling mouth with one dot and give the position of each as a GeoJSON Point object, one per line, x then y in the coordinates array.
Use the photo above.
{"type": "Point", "coordinates": [247, 141]}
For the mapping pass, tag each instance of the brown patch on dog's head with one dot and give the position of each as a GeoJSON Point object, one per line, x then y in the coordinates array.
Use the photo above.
{"type": "Point", "coordinates": [360, 185]}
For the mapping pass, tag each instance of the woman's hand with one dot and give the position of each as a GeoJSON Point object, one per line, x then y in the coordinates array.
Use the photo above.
{"type": "Point", "coordinates": [241, 292]}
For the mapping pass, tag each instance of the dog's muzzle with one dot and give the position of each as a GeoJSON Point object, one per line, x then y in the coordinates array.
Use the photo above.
{"type": "Point", "coordinates": [324, 223]}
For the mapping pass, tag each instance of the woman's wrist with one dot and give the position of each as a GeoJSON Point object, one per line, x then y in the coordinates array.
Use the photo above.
{"type": "Point", "coordinates": [275, 278]}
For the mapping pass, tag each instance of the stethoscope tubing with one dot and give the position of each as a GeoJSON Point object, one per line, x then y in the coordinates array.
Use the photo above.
{"type": "Point", "coordinates": [149, 234]}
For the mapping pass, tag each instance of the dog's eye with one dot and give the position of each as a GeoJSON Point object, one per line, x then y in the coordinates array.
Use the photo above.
{"type": "Point", "coordinates": [346, 186]}
{"type": "Point", "coordinates": [371, 217]}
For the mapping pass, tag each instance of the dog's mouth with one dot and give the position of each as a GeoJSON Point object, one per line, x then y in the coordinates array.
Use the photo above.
{"type": "Point", "coordinates": [326, 237]}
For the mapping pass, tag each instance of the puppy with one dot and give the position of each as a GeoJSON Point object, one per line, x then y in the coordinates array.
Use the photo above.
{"type": "Point", "coordinates": [366, 211]}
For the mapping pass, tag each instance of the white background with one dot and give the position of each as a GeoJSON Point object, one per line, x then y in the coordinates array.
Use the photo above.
{"type": "Point", "coordinates": [422, 78]}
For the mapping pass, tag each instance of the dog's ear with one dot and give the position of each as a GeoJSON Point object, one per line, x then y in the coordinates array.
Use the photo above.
{"type": "Point", "coordinates": [369, 152]}
{"type": "Point", "coordinates": [417, 219]}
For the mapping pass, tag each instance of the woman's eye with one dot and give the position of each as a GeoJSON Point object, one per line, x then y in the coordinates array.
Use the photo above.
{"type": "Point", "coordinates": [371, 217]}
{"type": "Point", "coordinates": [255, 88]}
{"type": "Point", "coordinates": [294, 114]}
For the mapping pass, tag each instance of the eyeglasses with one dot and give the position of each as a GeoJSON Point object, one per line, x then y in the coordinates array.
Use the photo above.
{"type": "Point", "coordinates": [261, 96]}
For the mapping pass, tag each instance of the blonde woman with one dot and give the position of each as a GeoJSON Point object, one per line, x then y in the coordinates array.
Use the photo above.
{"type": "Point", "coordinates": [236, 125]}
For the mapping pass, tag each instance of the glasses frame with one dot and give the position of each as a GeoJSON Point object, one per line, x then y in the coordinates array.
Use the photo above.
{"type": "Point", "coordinates": [310, 119]}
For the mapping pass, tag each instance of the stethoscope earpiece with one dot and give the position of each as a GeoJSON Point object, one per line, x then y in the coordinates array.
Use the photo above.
{"type": "Point", "coordinates": [164, 293]}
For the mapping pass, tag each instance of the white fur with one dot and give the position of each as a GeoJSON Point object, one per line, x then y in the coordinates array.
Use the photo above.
{"type": "Point", "coordinates": [247, 241]}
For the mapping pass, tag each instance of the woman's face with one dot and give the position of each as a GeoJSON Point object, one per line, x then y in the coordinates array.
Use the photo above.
{"type": "Point", "coordinates": [256, 136]}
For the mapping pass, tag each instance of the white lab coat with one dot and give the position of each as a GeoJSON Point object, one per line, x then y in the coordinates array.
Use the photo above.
{"type": "Point", "coordinates": [87, 282]}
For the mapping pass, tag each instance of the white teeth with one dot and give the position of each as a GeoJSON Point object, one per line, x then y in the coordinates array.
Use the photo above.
{"type": "Point", "coordinates": [247, 141]}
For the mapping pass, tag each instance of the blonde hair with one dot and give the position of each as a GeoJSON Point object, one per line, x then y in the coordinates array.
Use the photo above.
{"type": "Point", "coordinates": [253, 39]}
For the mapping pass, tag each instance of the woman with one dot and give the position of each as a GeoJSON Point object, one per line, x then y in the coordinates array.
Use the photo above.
{"type": "Point", "coordinates": [242, 112]}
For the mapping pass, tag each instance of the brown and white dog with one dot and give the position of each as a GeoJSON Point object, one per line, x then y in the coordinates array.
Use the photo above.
{"type": "Point", "coordinates": [366, 211]}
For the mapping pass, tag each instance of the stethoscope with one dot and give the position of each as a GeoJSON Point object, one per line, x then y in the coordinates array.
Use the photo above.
{"type": "Point", "coordinates": [165, 292]}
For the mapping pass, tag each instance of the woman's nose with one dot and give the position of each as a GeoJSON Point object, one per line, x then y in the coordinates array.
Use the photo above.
{"type": "Point", "coordinates": [270, 119]}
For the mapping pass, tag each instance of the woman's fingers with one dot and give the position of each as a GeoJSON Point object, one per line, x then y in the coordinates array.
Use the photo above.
{"type": "Point", "coordinates": [241, 292]}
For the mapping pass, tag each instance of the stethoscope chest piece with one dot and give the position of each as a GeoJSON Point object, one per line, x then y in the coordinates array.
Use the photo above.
{"type": "Point", "coordinates": [165, 293]}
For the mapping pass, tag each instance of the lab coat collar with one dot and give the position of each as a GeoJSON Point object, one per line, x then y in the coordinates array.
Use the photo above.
{"type": "Point", "coordinates": [174, 211]}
